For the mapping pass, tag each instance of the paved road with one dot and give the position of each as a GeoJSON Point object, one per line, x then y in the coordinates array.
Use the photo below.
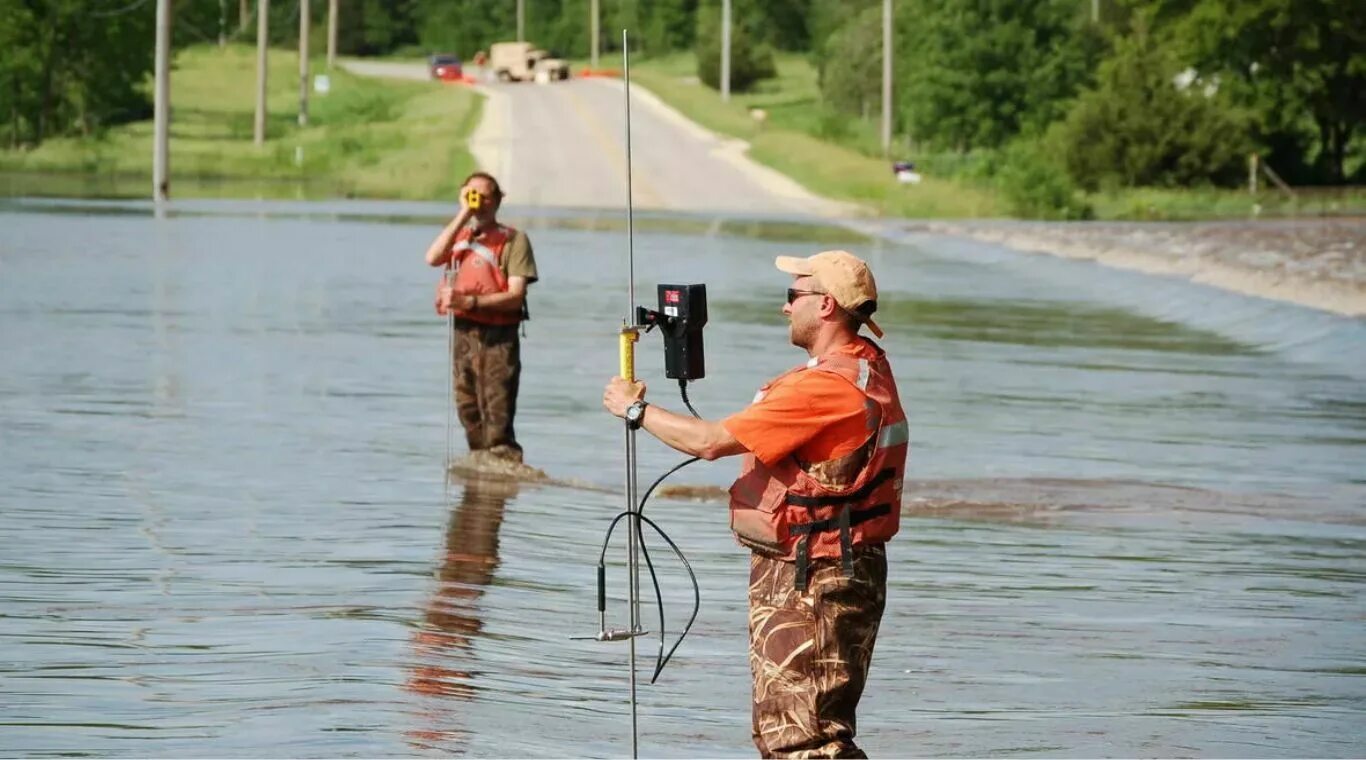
{"type": "Point", "coordinates": [563, 145]}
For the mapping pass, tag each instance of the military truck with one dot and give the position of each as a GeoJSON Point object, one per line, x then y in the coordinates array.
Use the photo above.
{"type": "Point", "coordinates": [520, 62]}
{"type": "Point", "coordinates": [549, 66]}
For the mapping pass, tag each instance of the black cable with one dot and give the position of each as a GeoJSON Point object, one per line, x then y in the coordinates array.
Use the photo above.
{"type": "Point", "coordinates": [661, 659]}
{"type": "Point", "coordinates": [683, 390]}
{"type": "Point", "coordinates": [696, 602]}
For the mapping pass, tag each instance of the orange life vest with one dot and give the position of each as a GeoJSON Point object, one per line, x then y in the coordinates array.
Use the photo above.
{"type": "Point", "coordinates": [478, 263]}
{"type": "Point", "coordinates": [796, 511]}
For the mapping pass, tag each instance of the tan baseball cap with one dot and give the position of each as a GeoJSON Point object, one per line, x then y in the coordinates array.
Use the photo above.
{"type": "Point", "coordinates": [844, 276]}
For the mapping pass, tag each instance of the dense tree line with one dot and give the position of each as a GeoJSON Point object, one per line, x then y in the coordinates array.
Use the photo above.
{"type": "Point", "coordinates": [1150, 92]}
{"type": "Point", "coordinates": [66, 69]}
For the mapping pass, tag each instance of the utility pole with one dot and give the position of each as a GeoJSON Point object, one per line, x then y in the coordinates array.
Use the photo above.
{"type": "Point", "coordinates": [725, 50]}
{"type": "Point", "coordinates": [886, 77]}
{"type": "Point", "coordinates": [593, 34]}
{"type": "Point", "coordinates": [161, 109]}
{"type": "Point", "coordinates": [222, 23]}
{"type": "Point", "coordinates": [331, 33]}
{"type": "Point", "coordinates": [243, 15]}
{"type": "Point", "coordinates": [1095, 11]}
{"type": "Point", "coordinates": [303, 63]}
{"type": "Point", "coordinates": [521, 20]}
{"type": "Point", "coordinates": [262, 29]}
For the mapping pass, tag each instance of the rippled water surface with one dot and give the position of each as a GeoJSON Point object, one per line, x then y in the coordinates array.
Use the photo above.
{"type": "Point", "coordinates": [224, 529]}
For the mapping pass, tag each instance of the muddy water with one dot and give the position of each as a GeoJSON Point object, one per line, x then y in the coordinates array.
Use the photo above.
{"type": "Point", "coordinates": [224, 528]}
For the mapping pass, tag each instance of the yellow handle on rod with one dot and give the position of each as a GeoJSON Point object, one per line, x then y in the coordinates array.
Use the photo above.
{"type": "Point", "coordinates": [627, 346]}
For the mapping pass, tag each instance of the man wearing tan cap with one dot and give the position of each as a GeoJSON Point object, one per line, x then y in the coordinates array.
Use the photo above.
{"type": "Point", "coordinates": [819, 494]}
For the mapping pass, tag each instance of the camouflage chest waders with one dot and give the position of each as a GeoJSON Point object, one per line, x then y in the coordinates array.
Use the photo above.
{"type": "Point", "coordinates": [488, 368]}
{"type": "Point", "coordinates": [810, 651]}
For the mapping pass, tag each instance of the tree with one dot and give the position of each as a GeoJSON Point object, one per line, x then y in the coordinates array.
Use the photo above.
{"type": "Point", "coordinates": [376, 27]}
{"type": "Point", "coordinates": [780, 23]}
{"type": "Point", "coordinates": [465, 26]}
{"type": "Point", "coordinates": [1288, 61]}
{"type": "Point", "coordinates": [1144, 125]}
{"type": "Point", "coordinates": [750, 59]}
{"type": "Point", "coordinates": [976, 74]}
{"type": "Point", "coordinates": [65, 69]}
{"type": "Point", "coordinates": [670, 25]}
{"type": "Point", "coordinates": [850, 72]}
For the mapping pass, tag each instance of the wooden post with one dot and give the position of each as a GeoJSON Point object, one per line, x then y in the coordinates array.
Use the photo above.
{"type": "Point", "coordinates": [161, 108]}
{"type": "Point", "coordinates": [725, 50]}
{"type": "Point", "coordinates": [303, 63]}
{"type": "Point", "coordinates": [886, 77]}
{"type": "Point", "coordinates": [262, 32]}
{"type": "Point", "coordinates": [331, 33]}
{"type": "Point", "coordinates": [593, 34]}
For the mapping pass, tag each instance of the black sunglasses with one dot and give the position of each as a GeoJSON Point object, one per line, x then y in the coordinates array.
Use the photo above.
{"type": "Point", "coordinates": [793, 294]}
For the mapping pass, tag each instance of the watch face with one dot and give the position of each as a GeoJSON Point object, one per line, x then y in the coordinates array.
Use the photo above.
{"type": "Point", "coordinates": [634, 410]}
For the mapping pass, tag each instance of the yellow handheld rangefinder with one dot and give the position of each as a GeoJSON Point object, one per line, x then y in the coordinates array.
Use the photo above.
{"type": "Point", "coordinates": [474, 199]}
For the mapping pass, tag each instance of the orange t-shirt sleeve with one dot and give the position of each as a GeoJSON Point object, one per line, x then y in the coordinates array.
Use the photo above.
{"type": "Point", "coordinates": [815, 414]}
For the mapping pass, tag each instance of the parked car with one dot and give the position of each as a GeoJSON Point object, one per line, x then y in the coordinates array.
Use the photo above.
{"type": "Point", "coordinates": [445, 66]}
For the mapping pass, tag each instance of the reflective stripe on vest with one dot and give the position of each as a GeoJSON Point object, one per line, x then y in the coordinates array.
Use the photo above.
{"type": "Point", "coordinates": [894, 434]}
{"type": "Point", "coordinates": [479, 271]}
{"type": "Point", "coordinates": [478, 249]}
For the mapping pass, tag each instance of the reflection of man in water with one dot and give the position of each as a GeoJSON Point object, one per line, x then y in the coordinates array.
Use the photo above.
{"type": "Point", "coordinates": [452, 617]}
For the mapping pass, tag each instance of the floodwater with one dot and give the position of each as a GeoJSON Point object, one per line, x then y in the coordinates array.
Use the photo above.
{"type": "Point", "coordinates": [1138, 527]}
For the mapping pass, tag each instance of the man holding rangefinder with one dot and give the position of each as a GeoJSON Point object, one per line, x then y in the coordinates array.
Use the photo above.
{"type": "Point", "coordinates": [492, 264]}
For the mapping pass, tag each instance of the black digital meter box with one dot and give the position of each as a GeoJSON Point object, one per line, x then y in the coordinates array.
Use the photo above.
{"type": "Point", "coordinates": [680, 319]}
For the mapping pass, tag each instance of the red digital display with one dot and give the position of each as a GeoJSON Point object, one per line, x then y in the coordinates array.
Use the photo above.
{"type": "Point", "coordinates": [671, 296]}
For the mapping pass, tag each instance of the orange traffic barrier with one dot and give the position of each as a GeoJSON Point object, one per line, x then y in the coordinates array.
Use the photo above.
{"type": "Point", "coordinates": [599, 72]}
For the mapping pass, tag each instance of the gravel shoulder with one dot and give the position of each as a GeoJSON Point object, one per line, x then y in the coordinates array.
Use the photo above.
{"type": "Point", "coordinates": [1319, 263]}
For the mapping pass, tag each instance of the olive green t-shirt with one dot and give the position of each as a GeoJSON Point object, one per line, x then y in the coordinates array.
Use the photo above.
{"type": "Point", "coordinates": [518, 260]}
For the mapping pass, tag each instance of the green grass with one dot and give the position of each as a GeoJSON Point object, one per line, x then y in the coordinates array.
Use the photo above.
{"type": "Point", "coordinates": [840, 157]}
{"type": "Point", "coordinates": [366, 137]}
{"type": "Point", "coordinates": [789, 140]}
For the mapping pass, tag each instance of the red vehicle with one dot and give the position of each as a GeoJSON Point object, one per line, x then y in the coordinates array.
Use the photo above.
{"type": "Point", "coordinates": [445, 67]}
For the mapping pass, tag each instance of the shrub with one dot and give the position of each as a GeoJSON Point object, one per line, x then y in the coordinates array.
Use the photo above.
{"type": "Point", "coordinates": [750, 61]}
{"type": "Point", "coordinates": [1036, 184]}
{"type": "Point", "coordinates": [1138, 127]}
{"type": "Point", "coordinates": [850, 75]}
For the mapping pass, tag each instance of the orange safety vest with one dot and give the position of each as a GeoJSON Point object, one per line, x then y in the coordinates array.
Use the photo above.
{"type": "Point", "coordinates": [478, 270]}
{"type": "Point", "coordinates": [795, 511]}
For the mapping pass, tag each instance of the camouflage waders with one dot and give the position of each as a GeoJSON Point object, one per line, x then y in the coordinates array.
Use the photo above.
{"type": "Point", "coordinates": [488, 366]}
{"type": "Point", "coordinates": [810, 651]}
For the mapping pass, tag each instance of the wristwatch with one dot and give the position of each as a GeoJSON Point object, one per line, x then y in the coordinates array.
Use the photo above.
{"type": "Point", "coordinates": [635, 413]}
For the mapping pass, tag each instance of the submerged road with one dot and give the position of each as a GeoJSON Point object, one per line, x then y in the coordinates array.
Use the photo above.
{"type": "Point", "coordinates": [563, 145]}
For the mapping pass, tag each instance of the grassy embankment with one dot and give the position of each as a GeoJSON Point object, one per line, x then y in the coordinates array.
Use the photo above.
{"type": "Point", "coordinates": [785, 141]}
{"type": "Point", "coordinates": [366, 138]}
{"type": "Point", "coordinates": [849, 167]}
